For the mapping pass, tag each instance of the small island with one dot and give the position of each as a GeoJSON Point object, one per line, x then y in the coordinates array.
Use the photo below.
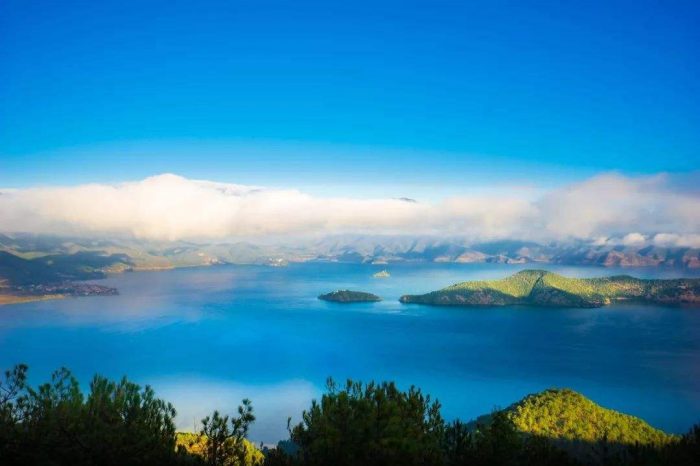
{"type": "Point", "coordinates": [383, 274]}
{"type": "Point", "coordinates": [547, 289]}
{"type": "Point", "coordinates": [347, 296]}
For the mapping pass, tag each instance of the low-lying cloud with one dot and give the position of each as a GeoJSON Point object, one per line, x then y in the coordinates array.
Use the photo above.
{"type": "Point", "coordinates": [606, 208]}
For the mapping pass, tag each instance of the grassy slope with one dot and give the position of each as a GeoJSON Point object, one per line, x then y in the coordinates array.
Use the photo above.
{"type": "Point", "coordinates": [538, 287]}
{"type": "Point", "coordinates": [519, 285]}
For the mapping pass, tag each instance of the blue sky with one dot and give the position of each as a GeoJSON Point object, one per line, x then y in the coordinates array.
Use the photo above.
{"type": "Point", "coordinates": [321, 95]}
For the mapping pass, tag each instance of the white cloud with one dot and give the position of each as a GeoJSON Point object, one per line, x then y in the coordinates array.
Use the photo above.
{"type": "Point", "coordinates": [600, 241]}
{"type": "Point", "coordinates": [691, 240]}
{"type": "Point", "coordinates": [633, 239]}
{"type": "Point", "coordinates": [612, 205]}
{"type": "Point", "coordinates": [170, 207]}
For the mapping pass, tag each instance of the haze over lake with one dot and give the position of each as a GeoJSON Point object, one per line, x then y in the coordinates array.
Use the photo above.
{"type": "Point", "coordinates": [207, 337]}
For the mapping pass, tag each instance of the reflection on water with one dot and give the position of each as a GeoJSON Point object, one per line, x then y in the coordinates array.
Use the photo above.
{"type": "Point", "coordinates": [207, 337]}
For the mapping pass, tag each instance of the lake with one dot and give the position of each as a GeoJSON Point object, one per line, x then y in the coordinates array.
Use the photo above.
{"type": "Point", "coordinates": [206, 337]}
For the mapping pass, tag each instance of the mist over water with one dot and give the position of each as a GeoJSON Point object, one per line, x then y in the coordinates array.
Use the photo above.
{"type": "Point", "coordinates": [207, 337]}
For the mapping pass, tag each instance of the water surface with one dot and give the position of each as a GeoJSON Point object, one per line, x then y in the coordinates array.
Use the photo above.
{"type": "Point", "coordinates": [207, 337]}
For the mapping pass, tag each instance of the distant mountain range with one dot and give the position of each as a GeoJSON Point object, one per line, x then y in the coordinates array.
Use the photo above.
{"type": "Point", "coordinates": [399, 249]}
{"type": "Point", "coordinates": [143, 255]}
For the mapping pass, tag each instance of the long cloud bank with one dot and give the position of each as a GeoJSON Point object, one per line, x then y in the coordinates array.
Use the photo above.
{"type": "Point", "coordinates": [605, 208]}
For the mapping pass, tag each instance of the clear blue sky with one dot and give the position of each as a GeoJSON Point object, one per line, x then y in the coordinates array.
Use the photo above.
{"type": "Point", "coordinates": [297, 92]}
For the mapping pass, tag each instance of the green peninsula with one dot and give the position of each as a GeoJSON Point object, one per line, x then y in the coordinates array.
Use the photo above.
{"type": "Point", "coordinates": [347, 296]}
{"type": "Point", "coordinates": [542, 288]}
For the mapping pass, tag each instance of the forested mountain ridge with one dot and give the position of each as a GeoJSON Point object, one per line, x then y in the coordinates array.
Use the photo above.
{"type": "Point", "coordinates": [542, 288]}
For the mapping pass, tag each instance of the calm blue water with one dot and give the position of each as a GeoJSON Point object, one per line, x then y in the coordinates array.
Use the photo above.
{"type": "Point", "coordinates": [207, 337]}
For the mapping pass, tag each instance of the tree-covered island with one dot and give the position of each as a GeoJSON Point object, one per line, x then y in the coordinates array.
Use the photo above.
{"type": "Point", "coordinates": [542, 288]}
{"type": "Point", "coordinates": [347, 296]}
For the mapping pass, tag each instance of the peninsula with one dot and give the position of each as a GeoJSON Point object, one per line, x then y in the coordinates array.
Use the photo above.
{"type": "Point", "coordinates": [347, 296]}
{"type": "Point", "coordinates": [54, 277]}
{"type": "Point", "coordinates": [542, 288]}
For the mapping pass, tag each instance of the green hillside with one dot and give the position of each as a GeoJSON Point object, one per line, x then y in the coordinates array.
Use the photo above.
{"type": "Point", "coordinates": [542, 288]}
{"type": "Point", "coordinates": [18, 271]}
{"type": "Point", "coordinates": [568, 415]}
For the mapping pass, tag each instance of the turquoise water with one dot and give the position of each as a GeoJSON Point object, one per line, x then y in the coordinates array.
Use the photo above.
{"type": "Point", "coordinates": [207, 337]}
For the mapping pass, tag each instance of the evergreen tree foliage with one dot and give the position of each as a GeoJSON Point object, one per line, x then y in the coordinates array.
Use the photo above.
{"type": "Point", "coordinates": [373, 424]}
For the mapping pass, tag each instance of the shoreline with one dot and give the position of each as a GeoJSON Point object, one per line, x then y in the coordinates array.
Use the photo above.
{"type": "Point", "coordinates": [6, 299]}
{"type": "Point", "coordinates": [9, 299]}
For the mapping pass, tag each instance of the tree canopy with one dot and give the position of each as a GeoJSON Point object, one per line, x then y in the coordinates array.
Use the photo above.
{"type": "Point", "coordinates": [372, 424]}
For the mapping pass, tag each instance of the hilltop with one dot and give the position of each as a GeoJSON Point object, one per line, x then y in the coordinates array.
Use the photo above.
{"type": "Point", "coordinates": [542, 288]}
{"type": "Point", "coordinates": [572, 423]}
{"type": "Point", "coordinates": [567, 415]}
